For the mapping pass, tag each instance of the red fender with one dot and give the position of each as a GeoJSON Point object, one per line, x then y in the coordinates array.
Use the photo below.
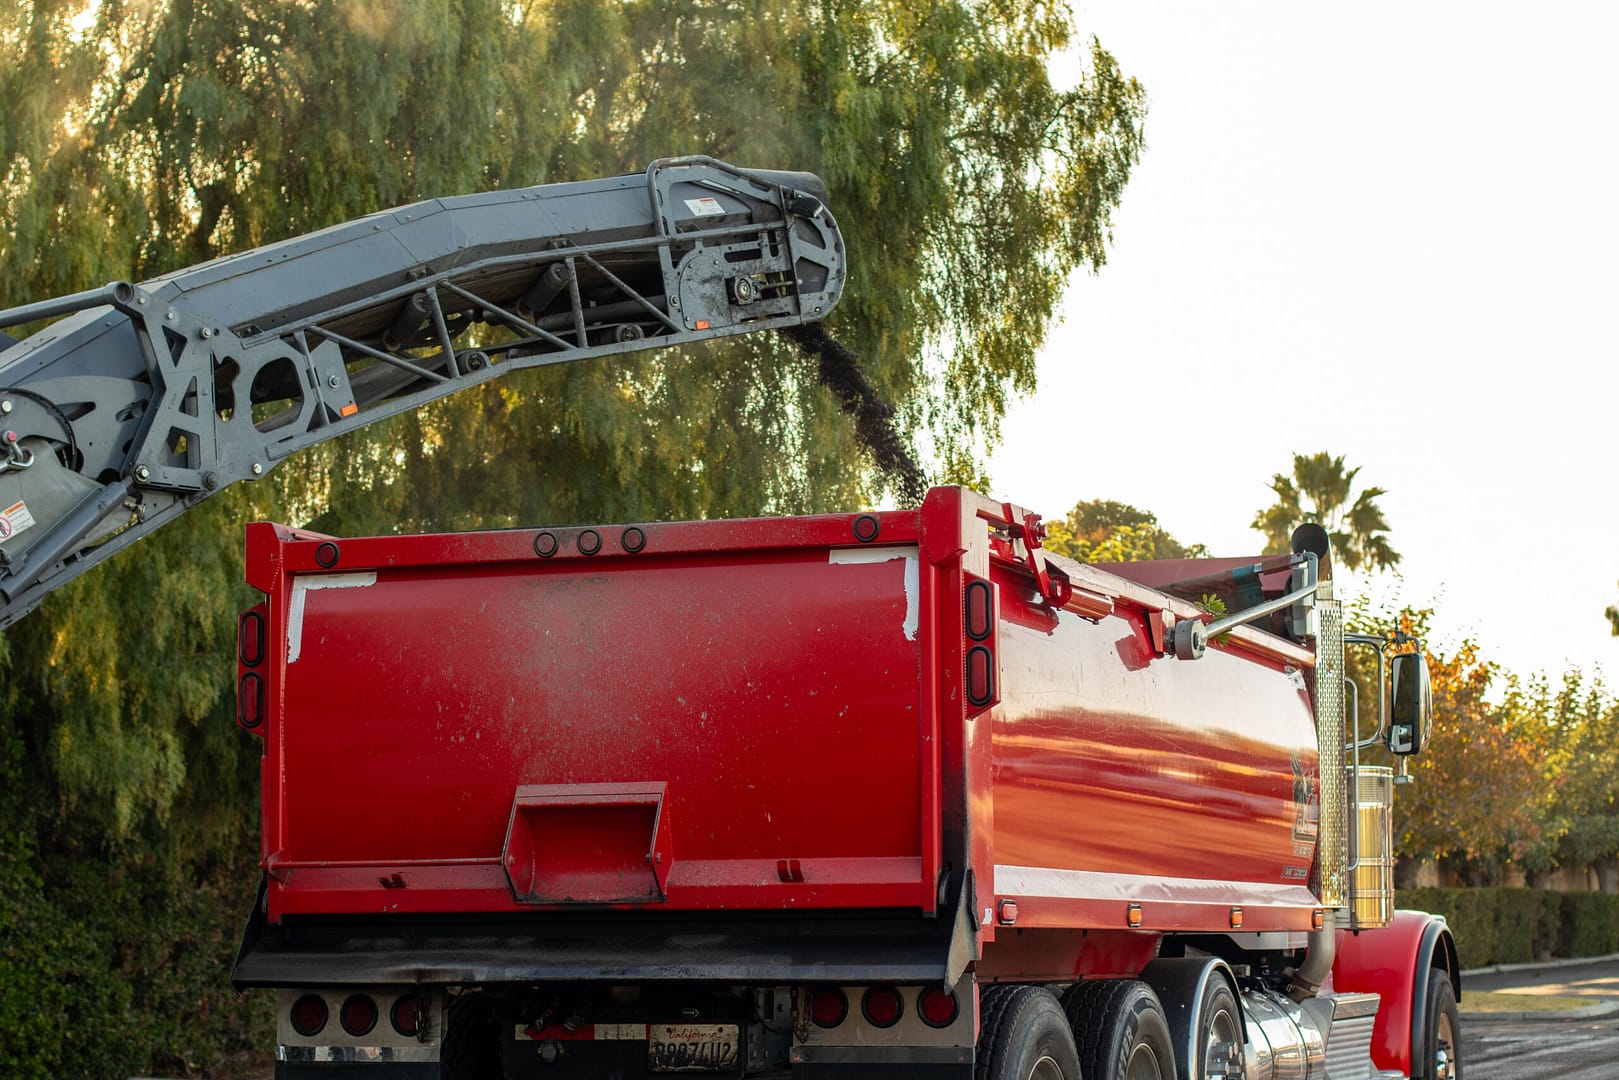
{"type": "Point", "coordinates": [1395, 963]}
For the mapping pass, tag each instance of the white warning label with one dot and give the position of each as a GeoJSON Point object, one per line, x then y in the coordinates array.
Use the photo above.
{"type": "Point", "coordinates": [14, 519]}
{"type": "Point", "coordinates": [705, 207]}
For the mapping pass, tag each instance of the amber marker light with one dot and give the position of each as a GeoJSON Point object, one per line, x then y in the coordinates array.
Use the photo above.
{"type": "Point", "coordinates": [1318, 919]}
{"type": "Point", "coordinates": [1236, 918]}
{"type": "Point", "coordinates": [1132, 917]}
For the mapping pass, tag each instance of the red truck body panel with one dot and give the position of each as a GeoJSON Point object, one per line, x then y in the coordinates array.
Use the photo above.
{"type": "Point", "coordinates": [765, 715]}
{"type": "Point", "coordinates": [446, 721]}
{"type": "Point", "coordinates": [1123, 777]}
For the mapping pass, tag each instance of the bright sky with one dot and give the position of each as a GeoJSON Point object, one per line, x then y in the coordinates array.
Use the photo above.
{"type": "Point", "coordinates": [1386, 230]}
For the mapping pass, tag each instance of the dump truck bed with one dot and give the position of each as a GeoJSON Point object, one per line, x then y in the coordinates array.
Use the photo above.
{"type": "Point", "coordinates": [805, 715]}
{"type": "Point", "coordinates": [691, 717]}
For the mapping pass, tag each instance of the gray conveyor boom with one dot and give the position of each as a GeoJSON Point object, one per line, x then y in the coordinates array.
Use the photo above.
{"type": "Point", "coordinates": [141, 400]}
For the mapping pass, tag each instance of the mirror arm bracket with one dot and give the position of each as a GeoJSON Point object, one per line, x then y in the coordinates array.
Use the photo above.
{"type": "Point", "coordinates": [1191, 636]}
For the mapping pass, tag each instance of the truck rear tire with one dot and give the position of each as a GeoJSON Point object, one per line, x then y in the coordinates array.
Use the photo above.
{"type": "Point", "coordinates": [471, 1047]}
{"type": "Point", "coordinates": [1120, 1030]}
{"type": "Point", "coordinates": [1023, 1035]}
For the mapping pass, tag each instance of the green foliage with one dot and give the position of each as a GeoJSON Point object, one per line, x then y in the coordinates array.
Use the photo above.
{"type": "Point", "coordinates": [54, 975]}
{"type": "Point", "coordinates": [127, 668]}
{"type": "Point", "coordinates": [1593, 839]}
{"type": "Point", "coordinates": [1590, 924]}
{"type": "Point", "coordinates": [1520, 770]}
{"type": "Point", "coordinates": [86, 946]}
{"type": "Point", "coordinates": [1516, 926]}
{"type": "Point", "coordinates": [1481, 790]}
{"type": "Point", "coordinates": [54, 978]}
{"type": "Point", "coordinates": [1103, 531]}
{"type": "Point", "coordinates": [1471, 914]}
{"type": "Point", "coordinates": [1612, 615]}
{"type": "Point", "coordinates": [1318, 491]}
{"type": "Point", "coordinates": [1575, 724]}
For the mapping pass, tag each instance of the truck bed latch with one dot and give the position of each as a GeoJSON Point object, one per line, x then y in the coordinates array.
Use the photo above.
{"type": "Point", "coordinates": [1022, 525]}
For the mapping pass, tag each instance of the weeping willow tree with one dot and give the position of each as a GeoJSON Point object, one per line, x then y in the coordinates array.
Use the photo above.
{"type": "Point", "coordinates": [142, 135]}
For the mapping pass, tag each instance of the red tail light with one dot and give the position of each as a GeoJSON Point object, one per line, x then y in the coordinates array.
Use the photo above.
{"type": "Point", "coordinates": [250, 638]}
{"type": "Point", "coordinates": [250, 701]}
{"type": "Point", "coordinates": [882, 1006]}
{"type": "Point", "coordinates": [828, 1007]}
{"type": "Point", "coordinates": [938, 1007]}
{"type": "Point", "coordinates": [309, 1015]}
{"type": "Point", "coordinates": [407, 1015]}
{"type": "Point", "coordinates": [359, 1015]}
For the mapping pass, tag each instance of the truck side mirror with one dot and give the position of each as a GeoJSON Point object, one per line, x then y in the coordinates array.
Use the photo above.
{"type": "Point", "coordinates": [1411, 713]}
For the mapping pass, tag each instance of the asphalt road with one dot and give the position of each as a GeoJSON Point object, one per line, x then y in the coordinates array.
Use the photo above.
{"type": "Point", "coordinates": [1540, 1049]}
{"type": "Point", "coordinates": [1597, 980]}
{"type": "Point", "coordinates": [1544, 1048]}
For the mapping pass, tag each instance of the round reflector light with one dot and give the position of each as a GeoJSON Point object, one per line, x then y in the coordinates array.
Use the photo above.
{"type": "Point", "coordinates": [828, 1007]}
{"type": "Point", "coordinates": [938, 1007]}
{"type": "Point", "coordinates": [309, 1015]}
{"type": "Point", "coordinates": [882, 1006]}
{"type": "Point", "coordinates": [406, 1015]}
{"type": "Point", "coordinates": [359, 1015]}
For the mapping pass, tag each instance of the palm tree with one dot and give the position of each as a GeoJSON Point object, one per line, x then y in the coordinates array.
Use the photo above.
{"type": "Point", "coordinates": [1319, 491]}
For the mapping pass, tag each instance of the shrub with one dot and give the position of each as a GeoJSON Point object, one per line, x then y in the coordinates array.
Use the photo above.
{"type": "Point", "coordinates": [1590, 924]}
{"type": "Point", "coordinates": [116, 964]}
{"type": "Point", "coordinates": [1515, 926]}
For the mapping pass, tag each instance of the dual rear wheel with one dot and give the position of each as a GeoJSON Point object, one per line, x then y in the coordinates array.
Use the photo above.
{"type": "Point", "coordinates": [1106, 1030]}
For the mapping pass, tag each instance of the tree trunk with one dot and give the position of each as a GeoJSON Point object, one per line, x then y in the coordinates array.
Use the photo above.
{"type": "Point", "coordinates": [1413, 873]}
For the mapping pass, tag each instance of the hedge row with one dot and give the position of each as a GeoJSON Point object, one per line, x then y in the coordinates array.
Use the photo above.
{"type": "Point", "coordinates": [1515, 926]}
{"type": "Point", "coordinates": [116, 963]}
{"type": "Point", "coordinates": [117, 970]}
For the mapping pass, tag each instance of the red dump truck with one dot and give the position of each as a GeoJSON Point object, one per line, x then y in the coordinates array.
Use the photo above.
{"type": "Point", "coordinates": [863, 795]}
{"type": "Point", "coordinates": [883, 794]}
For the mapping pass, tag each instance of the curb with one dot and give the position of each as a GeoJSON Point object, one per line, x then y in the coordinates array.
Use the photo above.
{"type": "Point", "coordinates": [1501, 969]}
{"type": "Point", "coordinates": [1598, 1011]}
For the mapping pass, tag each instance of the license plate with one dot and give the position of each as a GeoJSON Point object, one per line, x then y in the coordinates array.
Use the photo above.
{"type": "Point", "coordinates": [692, 1047]}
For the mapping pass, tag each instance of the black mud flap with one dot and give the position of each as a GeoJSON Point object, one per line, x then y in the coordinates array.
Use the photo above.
{"type": "Point", "coordinates": [251, 933]}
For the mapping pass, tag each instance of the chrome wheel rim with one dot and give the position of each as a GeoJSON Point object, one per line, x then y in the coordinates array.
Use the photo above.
{"type": "Point", "coordinates": [1222, 1047]}
{"type": "Point", "coordinates": [1046, 1069]}
{"type": "Point", "coordinates": [1444, 1063]}
{"type": "Point", "coordinates": [1143, 1064]}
